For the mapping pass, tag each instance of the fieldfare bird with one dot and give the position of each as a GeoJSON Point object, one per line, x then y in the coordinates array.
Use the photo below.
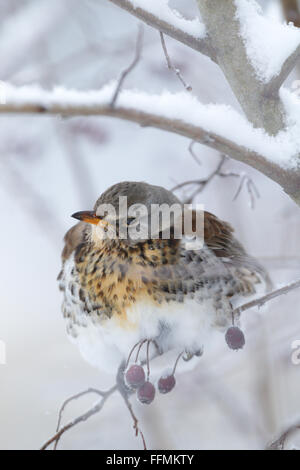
{"type": "Point", "coordinates": [119, 290]}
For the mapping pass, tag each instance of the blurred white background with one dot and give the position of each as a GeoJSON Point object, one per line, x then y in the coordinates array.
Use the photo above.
{"type": "Point", "coordinates": [52, 167]}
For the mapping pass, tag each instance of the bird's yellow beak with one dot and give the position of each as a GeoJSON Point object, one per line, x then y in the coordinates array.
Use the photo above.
{"type": "Point", "coordinates": [87, 216]}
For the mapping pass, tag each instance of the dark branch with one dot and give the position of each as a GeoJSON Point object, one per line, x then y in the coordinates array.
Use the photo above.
{"type": "Point", "coordinates": [82, 418]}
{"type": "Point", "coordinates": [201, 184]}
{"type": "Point", "coordinates": [266, 298]}
{"type": "Point", "coordinates": [279, 443]}
{"type": "Point", "coordinates": [126, 72]}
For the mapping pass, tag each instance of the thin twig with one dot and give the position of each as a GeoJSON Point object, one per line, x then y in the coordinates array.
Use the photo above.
{"type": "Point", "coordinates": [120, 386]}
{"type": "Point", "coordinates": [199, 44]}
{"type": "Point", "coordinates": [266, 298]}
{"type": "Point", "coordinates": [125, 393]}
{"type": "Point", "coordinates": [171, 66]}
{"type": "Point", "coordinates": [279, 443]}
{"type": "Point", "coordinates": [201, 184]}
{"type": "Point", "coordinates": [82, 418]}
{"type": "Point", "coordinates": [251, 187]}
{"type": "Point", "coordinates": [192, 152]}
{"type": "Point", "coordinates": [69, 400]}
{"type": "Point", "coordinates": [138, 50]}
{"type": "Point", "coordinates": [135, 420]}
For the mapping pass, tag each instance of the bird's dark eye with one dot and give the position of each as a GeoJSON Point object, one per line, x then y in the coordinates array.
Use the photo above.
{"type": "Point", "coordinates": [130, 220]}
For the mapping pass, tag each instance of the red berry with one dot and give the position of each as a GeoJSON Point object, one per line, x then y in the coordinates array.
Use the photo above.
{"type": "Point", "coordinates": [166, 384]}
{"type": "Point", "coordinates": [146, 393]}
{"type": "Point", "coordinates": [135, 376]}
{"type": "Point", "coordinates": [235, 338]}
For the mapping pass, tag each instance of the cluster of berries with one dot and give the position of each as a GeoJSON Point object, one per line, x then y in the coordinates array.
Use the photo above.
{"type": "Point", "coordinates": [135, 379]}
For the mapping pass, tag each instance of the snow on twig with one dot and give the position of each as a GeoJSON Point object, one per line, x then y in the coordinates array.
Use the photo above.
{"type": "Point", "coordinates": [268, 42]}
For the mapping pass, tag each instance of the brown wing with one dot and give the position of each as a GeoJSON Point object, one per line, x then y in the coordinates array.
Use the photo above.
{"type": "Point", "coordinates": [218, 236]}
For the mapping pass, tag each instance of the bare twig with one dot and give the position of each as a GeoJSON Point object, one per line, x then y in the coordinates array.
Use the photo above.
{"type": "Point", "coordinates": [192, 152]}
{"type": "Point", "coordinates": [201, 184]}
{"type": "Point", "coordinates": [69, 400]}
{"type": "Point", "coordinates": [245, 180]}
{"type": "Point", "coordinates": [199, 44]}
{"type": "Point", "coordinates": [135, 420]}
{"type": "Point", "coordinates": [171, 66]}
{"type": "Point", "coordinates": [266, 298]}
{"type": "Point", "coordinates": [120, 386]}
{"type": "Point", "coordinates": [125, 393]}
{"type": "Point", "coordinates": [279, 443]}
{"type": "Point", "coordinates": [138, 50]}
{"type": "Point", "coordinates": [82, 418]}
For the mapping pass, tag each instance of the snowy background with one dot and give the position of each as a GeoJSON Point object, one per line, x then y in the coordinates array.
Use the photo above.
{"type": "Point", "coordinates": [52, 167]}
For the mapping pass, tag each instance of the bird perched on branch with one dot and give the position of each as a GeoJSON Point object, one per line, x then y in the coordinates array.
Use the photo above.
{"type": "Point", "coordinates": [121, 289]}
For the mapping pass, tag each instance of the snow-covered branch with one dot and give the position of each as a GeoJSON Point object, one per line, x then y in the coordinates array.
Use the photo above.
{"type": "Point", "coordinates": [237, 36]}
{"type": "Point", "coordinates": [159, 15]}
{"type": "Point", "coordinates": [275, 83]}
{"type": "Point", "coordinates": [246, 42]}
{"type": "Point", "coordinates": [217, 126]}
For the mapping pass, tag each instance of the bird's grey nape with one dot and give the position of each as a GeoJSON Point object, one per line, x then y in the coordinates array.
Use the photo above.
{"type": "Point", "coordinates": [137, 192]}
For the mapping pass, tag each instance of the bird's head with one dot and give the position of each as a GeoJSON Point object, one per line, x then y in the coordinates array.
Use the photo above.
{"type": "Point", "coordinates": [133, 211]}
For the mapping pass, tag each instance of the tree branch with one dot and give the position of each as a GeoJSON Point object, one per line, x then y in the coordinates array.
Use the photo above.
{"type": "Point", "coordinates": [271, 88]}
{"type": "Point", "coordinates": [199, 44]}
{"type": "Point", "coordinates": [224, 45]}
{"type": "Point", "coordinates": [82, 418]}
{"type": "Point", "coordinates": [118, 387]}
{"type": "Point", "coordinates": [266, 298]}
{"type": "Point", "coordinates": [149, 111]}
{"type": "Point", "coordinates": [220, 18]}
{"type": "Point", "coordinates": [279, 443]}
{"type": "Point", "coordinates": [201, 184]}
{"type": "Point", "coordinates": [138, 50]}
{"type": "Point", "coordinates": [171, 66]}
{"type": "Point", "coordinates": [291, 10]}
